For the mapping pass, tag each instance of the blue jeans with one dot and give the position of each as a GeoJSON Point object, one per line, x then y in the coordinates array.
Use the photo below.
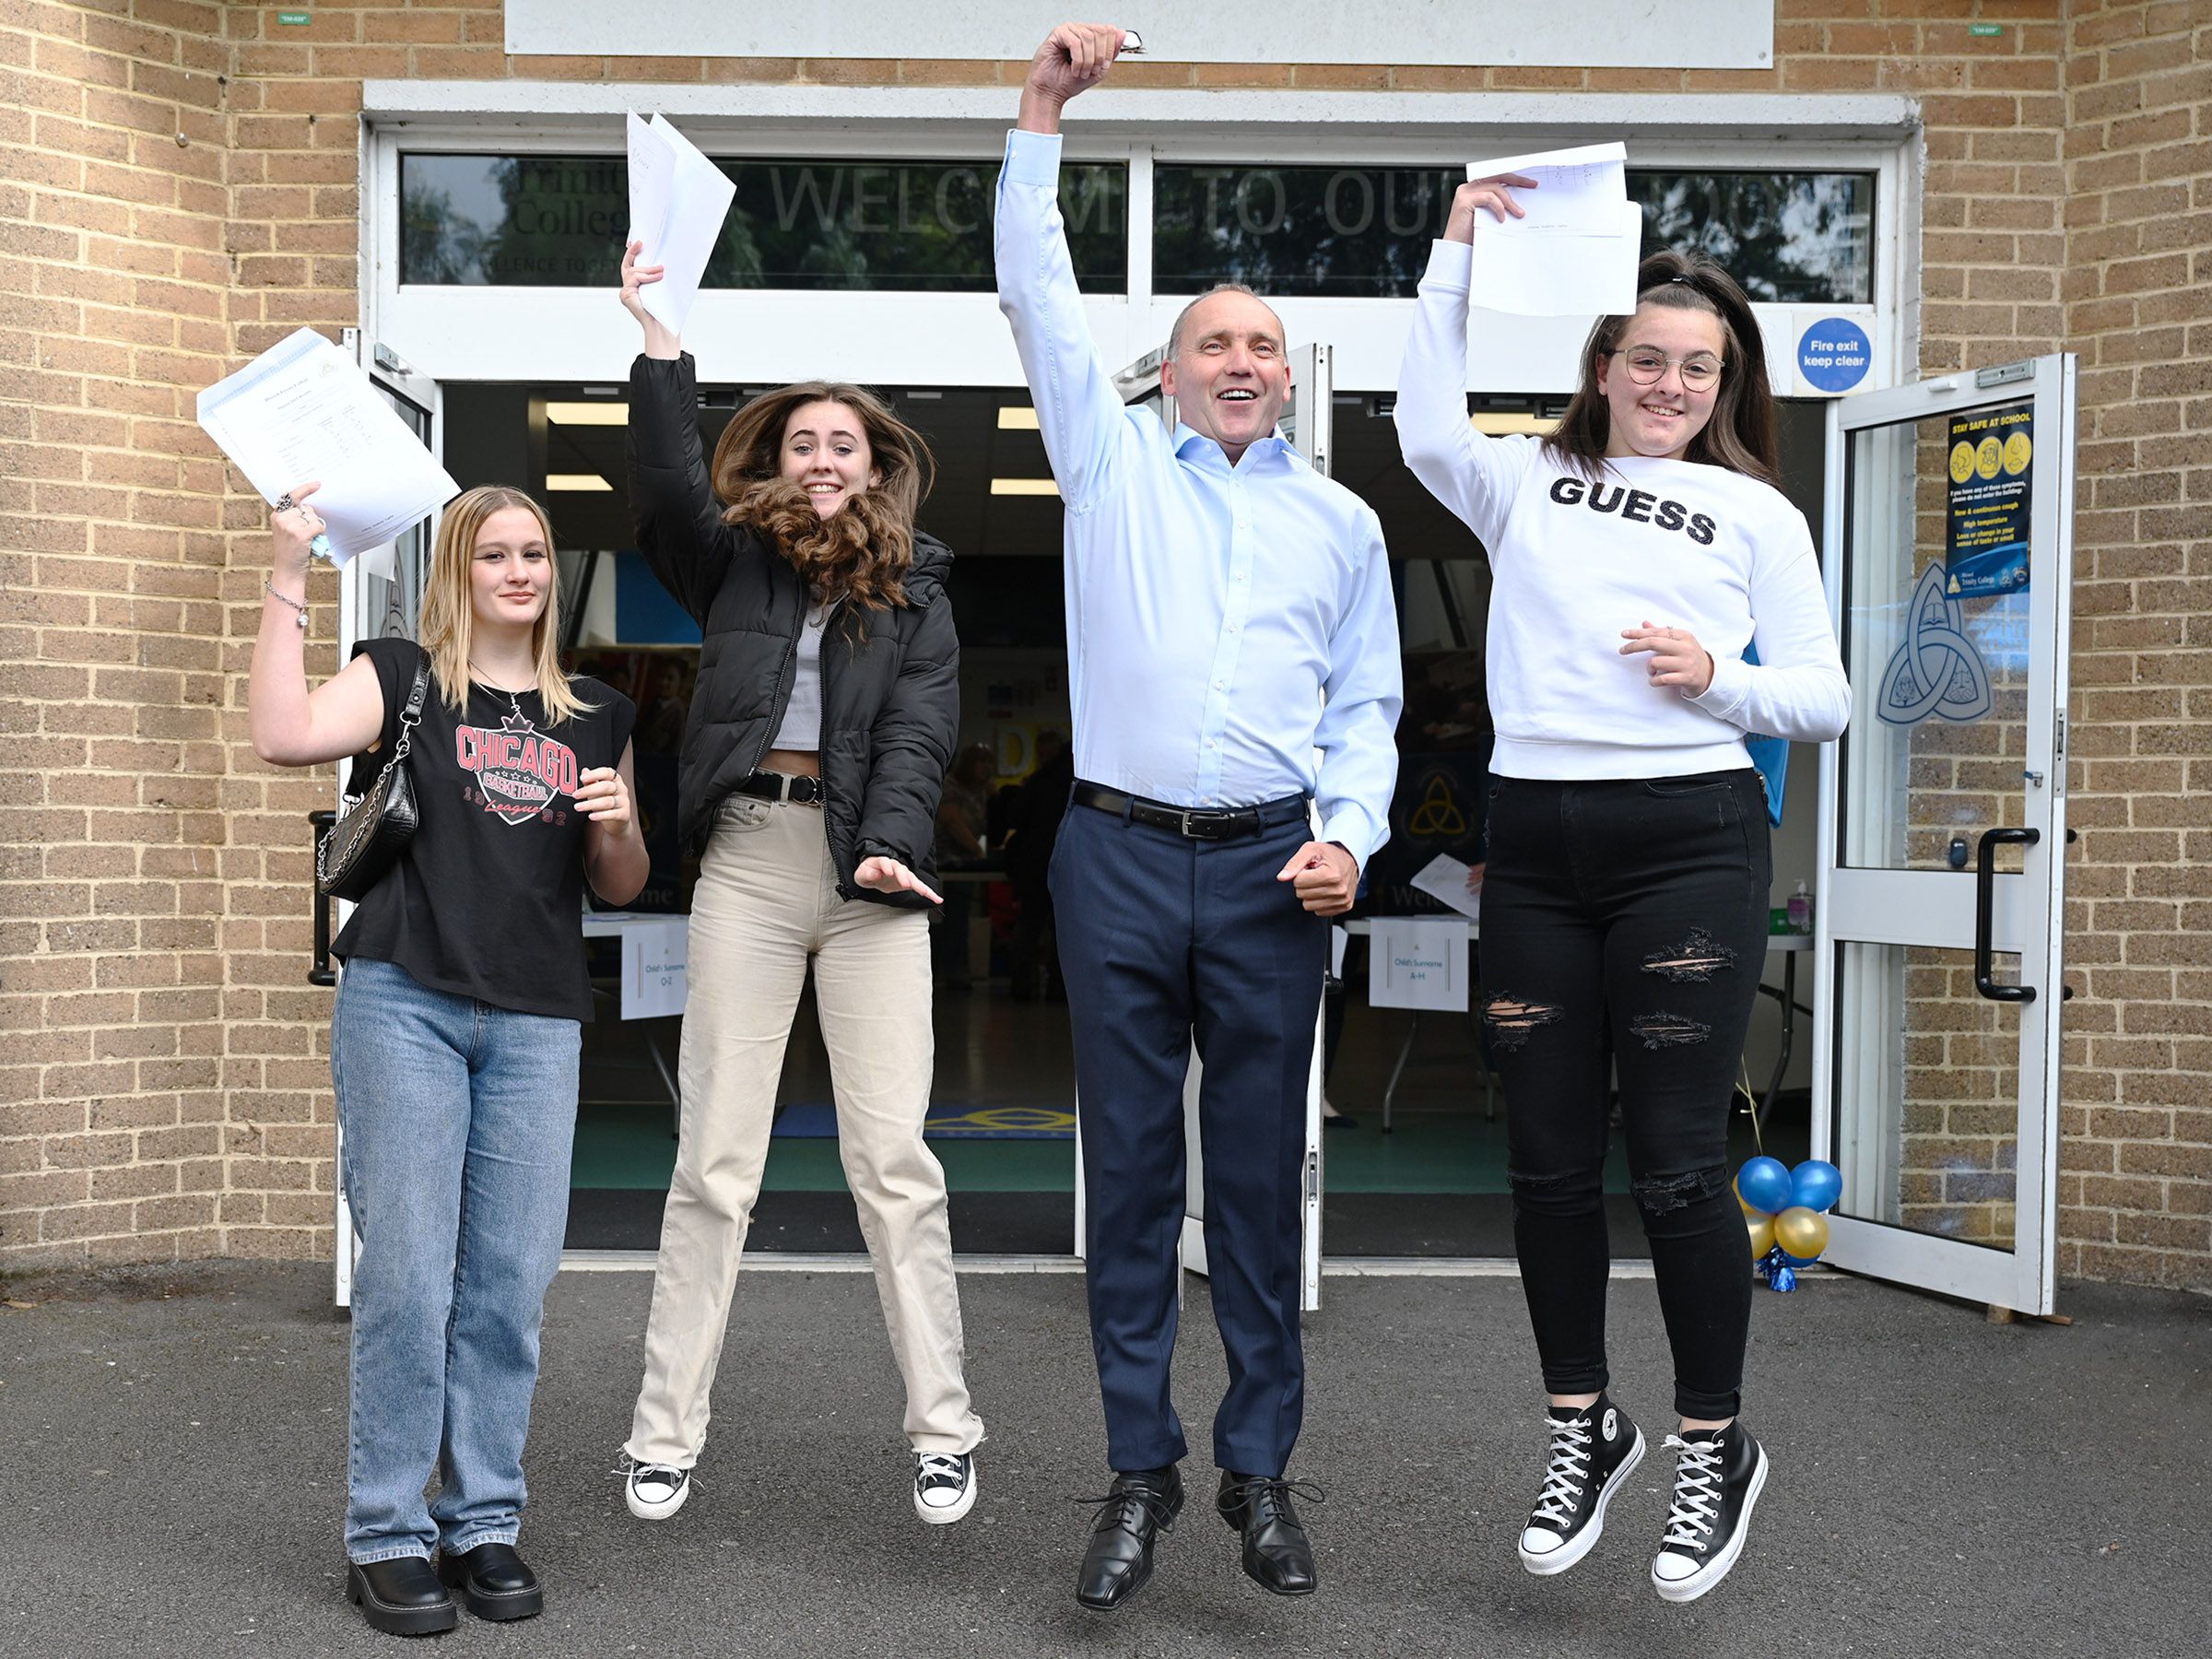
{"type": "Point", "coordinates": [458, 1119]}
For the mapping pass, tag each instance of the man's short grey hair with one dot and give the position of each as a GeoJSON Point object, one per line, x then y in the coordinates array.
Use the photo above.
{"type": "Point", "coordinates": [1175, 334]}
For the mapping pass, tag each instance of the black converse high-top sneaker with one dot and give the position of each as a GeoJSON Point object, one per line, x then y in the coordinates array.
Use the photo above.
{"type": "Point", "coordinates": [1717, 1479]}
{"type": "Point", "coordinates": [1593, 1451]}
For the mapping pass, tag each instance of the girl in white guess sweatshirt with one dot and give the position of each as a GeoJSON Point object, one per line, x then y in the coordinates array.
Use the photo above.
{"type": "Point", "coordinates": [1634, 554]}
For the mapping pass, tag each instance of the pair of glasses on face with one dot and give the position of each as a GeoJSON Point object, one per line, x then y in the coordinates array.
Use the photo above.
{"type": "Point", "coordinates": [1701, 371]}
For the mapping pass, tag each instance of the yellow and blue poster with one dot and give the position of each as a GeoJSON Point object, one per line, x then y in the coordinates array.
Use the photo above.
{"type": "Point", "coordinates": [1987, 534]}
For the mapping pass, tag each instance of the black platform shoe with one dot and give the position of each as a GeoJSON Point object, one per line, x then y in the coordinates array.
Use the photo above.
{"type": "Point", "coordinates": [494, 1580]}
{"type": "Point", "coordinates": [401, 1597]}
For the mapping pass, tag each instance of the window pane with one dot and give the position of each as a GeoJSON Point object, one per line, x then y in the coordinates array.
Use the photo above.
{"type": "Point", "coordinates": [1786, 237]}
{"type": "Point", "coordinates": [558, 221]}
{"type": "Point", "coordinates": [1364, 232]}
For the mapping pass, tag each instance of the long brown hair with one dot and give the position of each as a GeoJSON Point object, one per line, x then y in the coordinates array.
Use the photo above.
{"type": "Point", "coordinates": [1740, 433]}
{"type": "Point", "coordinates": [863, 550]}
{"type": "Point", "coordinates": [449, 617]}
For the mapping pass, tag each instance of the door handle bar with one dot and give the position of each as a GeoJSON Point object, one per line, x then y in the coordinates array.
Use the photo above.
{"type": "Point", "coordinates": [319, 972]}
{"type": "Point", "coordinates": [1986, 892]}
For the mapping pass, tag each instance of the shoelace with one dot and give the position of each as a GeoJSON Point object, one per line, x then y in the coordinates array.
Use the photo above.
{"type": "Point", "coordinates": [1276, 1491]}
{"type": "Point", "coordinates": [940, 1468]}
{"type": "Point", "coordinates": [1569, 1474]}
{"type": "Point", "coordinates": [1125, 1508]}
{"type": "Point", "coordinates": [1698, 1488]}
{"type": "Point", "coordinates": [631, 1470]}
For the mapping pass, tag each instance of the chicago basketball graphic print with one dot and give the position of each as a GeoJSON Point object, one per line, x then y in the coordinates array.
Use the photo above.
{"type": "Point", "coordinates": [521, 772]}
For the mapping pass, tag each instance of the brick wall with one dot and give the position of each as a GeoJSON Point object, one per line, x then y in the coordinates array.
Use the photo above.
{"type": "Point", "coordinates": [163, 1087]}
{"type": "Point", "coordinates": [114, 289]}
{"type": "Point", "coordinates": [2135, 1187]}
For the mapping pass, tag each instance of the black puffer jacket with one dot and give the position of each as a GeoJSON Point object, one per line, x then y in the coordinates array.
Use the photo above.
{"type": "Point", "coordinates": [890, 678]}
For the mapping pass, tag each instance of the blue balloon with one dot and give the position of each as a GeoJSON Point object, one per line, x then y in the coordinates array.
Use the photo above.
{"type": "Point", "coordinates": [1764, 1185]}
{"type": "Point", "coordinates": [1816, 1184]}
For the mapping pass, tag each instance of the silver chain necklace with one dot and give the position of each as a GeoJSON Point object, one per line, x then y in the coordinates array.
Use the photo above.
{"type": "Point", "coordinates": [486, 682]}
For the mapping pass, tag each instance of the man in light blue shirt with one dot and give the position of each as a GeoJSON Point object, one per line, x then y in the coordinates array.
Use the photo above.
{"type": "Point", "coordinates": [1233, 663]}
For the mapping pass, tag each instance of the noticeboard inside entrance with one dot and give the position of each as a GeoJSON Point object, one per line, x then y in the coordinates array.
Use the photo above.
{"type": "Point", "coordinates": [1987, 522]}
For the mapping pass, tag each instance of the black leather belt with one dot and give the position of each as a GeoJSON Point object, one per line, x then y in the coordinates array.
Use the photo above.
{"type": "Point", "coordinates": [783, 786]}
{"type": "Point", "coordinates": [1211, 824]}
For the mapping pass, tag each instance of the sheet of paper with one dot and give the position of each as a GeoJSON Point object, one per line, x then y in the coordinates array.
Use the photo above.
{"type": "Point", "coordinates": [1418, 962]}
{"type": "Point", "coordinates": [304, 410]}
{"type": "Point", "coordinates": [1444, 878]}
{"type": "Point", "coordinates": [652, 177]}
{"type": "Point", "coordinates": [1576, 249]}
{"type": "Point", "coordinates": [678, 202]}
{"type": "Point", "coordinates": [653, 956]}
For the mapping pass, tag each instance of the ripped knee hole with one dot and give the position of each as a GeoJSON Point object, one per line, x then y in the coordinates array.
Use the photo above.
{"type": "Point", "coordinates": [1511, 1018]}
{"type": "Point", "coordinates": [1693, 961]}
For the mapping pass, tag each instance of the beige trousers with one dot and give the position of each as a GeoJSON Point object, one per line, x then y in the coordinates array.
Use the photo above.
{"type": "Point", "coordinates": [767, 905]}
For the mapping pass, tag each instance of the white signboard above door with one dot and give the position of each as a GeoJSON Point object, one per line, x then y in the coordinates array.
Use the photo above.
{"type": "Point", "coordinates": [1684, 34]}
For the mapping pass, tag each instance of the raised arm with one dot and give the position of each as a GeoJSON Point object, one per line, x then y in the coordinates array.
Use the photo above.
{"type": "Point", "coordinates": [1359, 713]}
{"type": "Point", "coordinates": [1474, 475]}
{"type": "Point", "coordinates": [679, 525]}
{"type": "Point", "coordinates": [1079, 413]}
{"type": "Point", "coordinates": [290, 724]}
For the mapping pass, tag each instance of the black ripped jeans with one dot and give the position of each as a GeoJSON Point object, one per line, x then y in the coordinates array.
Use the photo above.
{"type": "Point", "coordinates": [1628, 914]}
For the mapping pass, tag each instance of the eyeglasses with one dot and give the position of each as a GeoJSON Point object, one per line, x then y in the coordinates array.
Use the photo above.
{"type": "Point", "coordinates": [1701, 370]}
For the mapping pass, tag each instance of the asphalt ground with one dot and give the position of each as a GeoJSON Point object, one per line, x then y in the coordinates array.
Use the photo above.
{"type": "Point", "coordinates": [173, 1480]}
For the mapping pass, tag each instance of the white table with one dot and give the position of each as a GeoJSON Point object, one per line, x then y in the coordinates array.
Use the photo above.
{"type": "Point", "coordinates": [614, 924]}
{"type": "Point", "coordinates": [1789, 946]}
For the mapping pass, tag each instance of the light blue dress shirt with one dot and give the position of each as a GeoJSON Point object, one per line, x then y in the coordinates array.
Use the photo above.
{"type": "Point", "coordinates": [1224, 623]}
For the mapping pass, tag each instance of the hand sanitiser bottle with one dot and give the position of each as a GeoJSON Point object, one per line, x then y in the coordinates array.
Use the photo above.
{"type": "Point", "coordinates": [1801, 910]}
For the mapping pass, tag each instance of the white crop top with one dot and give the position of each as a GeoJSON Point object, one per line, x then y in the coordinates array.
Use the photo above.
{"type": "Point", "coordinates": [802, 727]}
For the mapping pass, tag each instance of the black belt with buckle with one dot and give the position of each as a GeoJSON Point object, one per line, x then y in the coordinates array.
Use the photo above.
{"type": "Point", "coordinates": [783, 786]}
{"type": "Point", "coordinates": [1211, 824]}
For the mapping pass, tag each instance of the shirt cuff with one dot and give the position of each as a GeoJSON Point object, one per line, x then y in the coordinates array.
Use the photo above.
{"type": "Point", "coordinates": [1731, 686]}
{"type": "Point", "coordinates": [1034, 159]}
{"type": "Point", "coordinates": [1349, 831]}
{"type": "Point", "coordinates": [1451, 265]}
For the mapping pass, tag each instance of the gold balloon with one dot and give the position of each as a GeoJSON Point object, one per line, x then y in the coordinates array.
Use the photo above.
{"type": "Point", "coordinates": [1801, 1232]}
{"type": "Point", "coordinates": [1761, 1229]}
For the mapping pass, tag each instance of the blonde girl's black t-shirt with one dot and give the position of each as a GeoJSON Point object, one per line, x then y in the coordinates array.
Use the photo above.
{"type": "Point", "coordinates": [487, 900]}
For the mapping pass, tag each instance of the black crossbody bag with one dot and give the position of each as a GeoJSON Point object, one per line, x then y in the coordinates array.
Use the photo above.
{"type": "Point", "coordinates": [372, 828]}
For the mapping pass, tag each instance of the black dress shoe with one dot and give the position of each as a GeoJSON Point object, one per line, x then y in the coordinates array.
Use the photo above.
{"type": "Point", "coordinates": [401, 1597]}
{"type": "Point", "coordinates": [1142, 1504]}
{"type": "Point", "coordinates": [1276, 1555]}
{"type": "Point", "coordinates": [494, 1580]}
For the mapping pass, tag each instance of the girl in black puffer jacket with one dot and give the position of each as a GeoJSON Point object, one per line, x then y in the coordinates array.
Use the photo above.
{"type": "Point", "coordinates": [826, 709]}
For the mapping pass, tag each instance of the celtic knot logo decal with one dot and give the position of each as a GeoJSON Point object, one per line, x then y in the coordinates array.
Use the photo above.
{"type": "Point", "coordinates": [1438, 814]}
{"type": "Point", "coordinates": [1937, 669]}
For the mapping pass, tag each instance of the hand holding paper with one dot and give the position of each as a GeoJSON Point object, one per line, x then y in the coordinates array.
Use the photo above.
{"type": "Point", "coordinates": [1571, 245]}
{"type": "Point", "coordinates": [678, 202]}
{"type": "Point", "coordinates": [302, 409]}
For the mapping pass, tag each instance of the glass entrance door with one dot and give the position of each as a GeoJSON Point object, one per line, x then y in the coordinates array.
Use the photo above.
{"type": "Point", "coordinates": [1948, 554]}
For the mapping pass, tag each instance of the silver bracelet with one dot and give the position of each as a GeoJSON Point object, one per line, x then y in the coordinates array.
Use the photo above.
{"type": "Point", "coordinates": [297, 605]}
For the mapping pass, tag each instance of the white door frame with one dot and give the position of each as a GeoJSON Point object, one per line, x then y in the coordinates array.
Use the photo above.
{"type": "Point", "coordinates": [1859, 901]}
{"type": "Point", "coordinates": [458, 333]}
{"type": "Point", "coordinates": [392, 376]}
{"type": "Point", "coordinates": [893, 338]}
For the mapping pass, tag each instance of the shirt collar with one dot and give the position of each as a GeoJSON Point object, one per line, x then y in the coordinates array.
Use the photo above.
{"type": "Point", "coordinates": [1209, 453]}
